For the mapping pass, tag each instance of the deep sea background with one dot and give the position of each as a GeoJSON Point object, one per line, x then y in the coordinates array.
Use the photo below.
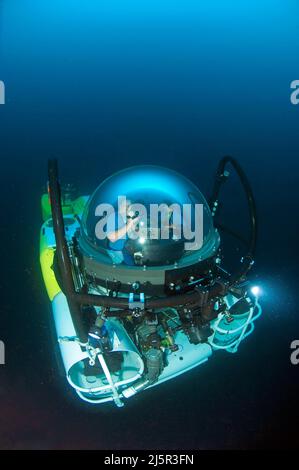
{"type": "Point", "coordinates": [102, 85]}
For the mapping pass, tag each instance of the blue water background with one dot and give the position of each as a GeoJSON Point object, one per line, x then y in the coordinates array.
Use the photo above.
{"type": "Point", "coordinates": [102, 85]}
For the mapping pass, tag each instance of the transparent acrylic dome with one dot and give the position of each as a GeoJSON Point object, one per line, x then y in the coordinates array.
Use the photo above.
{"type": "Point", "coordinates": [149, 186]}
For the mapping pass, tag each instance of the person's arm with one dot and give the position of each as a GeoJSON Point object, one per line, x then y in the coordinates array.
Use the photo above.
{"type": "Point", "coordinates": [121, 232]}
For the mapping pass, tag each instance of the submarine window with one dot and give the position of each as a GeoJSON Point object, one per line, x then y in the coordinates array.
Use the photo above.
{"type": "Point", "coordinates": [148, 186]}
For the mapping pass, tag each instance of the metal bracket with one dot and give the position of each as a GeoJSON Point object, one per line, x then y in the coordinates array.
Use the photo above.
{"type": "Point", "coordinates": [136, 301]}
{"type": "Point", "coordinates": [136, 304]}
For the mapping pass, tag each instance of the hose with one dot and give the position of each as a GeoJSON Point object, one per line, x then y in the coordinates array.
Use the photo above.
{"type": "Point", "coordinates": [248, 258]}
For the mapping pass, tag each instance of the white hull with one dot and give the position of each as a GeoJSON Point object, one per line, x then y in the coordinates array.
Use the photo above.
{"type": "Point", "coordinates": [128, 381]}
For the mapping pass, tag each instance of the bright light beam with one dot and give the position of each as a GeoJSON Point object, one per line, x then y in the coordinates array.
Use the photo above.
{"type": "Point", "coordinates": [256, 291]}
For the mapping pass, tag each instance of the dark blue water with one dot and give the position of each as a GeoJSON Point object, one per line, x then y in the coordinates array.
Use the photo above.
{"type": "Point", "coordinates": [104, 85]}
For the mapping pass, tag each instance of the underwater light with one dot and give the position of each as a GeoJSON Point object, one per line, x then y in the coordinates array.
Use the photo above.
{"type": "Point", "coordinates": [256, 291]}
{"type": "Point", "coordinates": [141, 240]}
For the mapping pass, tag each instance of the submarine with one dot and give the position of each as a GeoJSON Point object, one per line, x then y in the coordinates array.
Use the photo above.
{"type": "Point", "coordinates": [136, 278]}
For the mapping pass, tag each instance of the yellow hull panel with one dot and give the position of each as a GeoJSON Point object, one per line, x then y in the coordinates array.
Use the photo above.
{"type": "Point", "coordinates": [46, 261]}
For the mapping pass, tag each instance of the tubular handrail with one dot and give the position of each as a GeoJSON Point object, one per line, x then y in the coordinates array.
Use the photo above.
{"type": "Point", "coordinates": [62, 251]}
{"type": "Point", "coordinates": [220, 178]}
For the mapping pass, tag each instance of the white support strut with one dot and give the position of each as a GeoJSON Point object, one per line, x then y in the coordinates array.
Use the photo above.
{"type": "Point", "coordinates": [106, 371]}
